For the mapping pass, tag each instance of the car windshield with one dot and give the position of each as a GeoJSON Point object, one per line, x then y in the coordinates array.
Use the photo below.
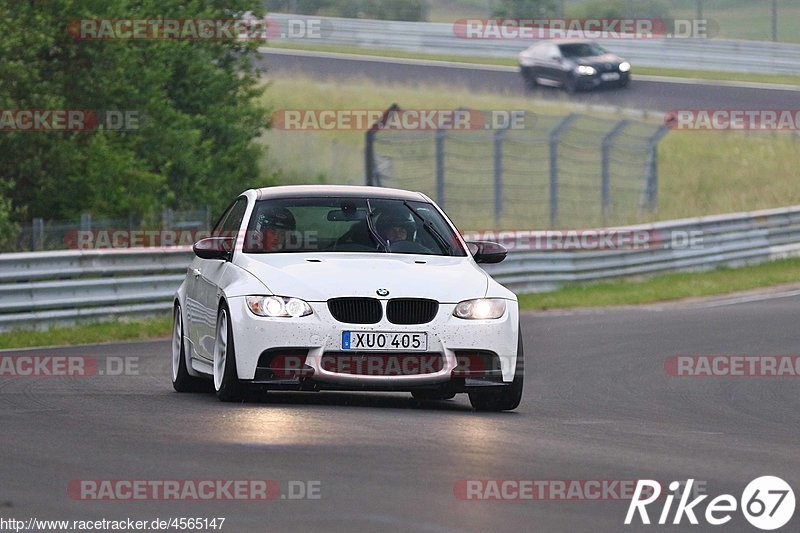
{"type": "Point", "coordinates": [582, 50]}
{"type": "Point", "coordinates": [349, 224]}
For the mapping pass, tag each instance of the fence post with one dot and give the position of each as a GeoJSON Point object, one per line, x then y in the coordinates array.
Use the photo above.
{"type": "Point", "coordinates": [369, 156]}
{"type": "Point", "coordinates": [605, 183]}
{"type": "Point", "coordinates": [37, 234]}
{"type": "Point", "coordinates": [440, 137]}
{"type": "Point", "coordinates": [86, 222]}
{"type": "Point", "coordinates": [651, 179]}
{"type": "Point", "coordinates": [499, 137]}
{"type": "Point", "coordinates": [167, 217]}
{"type": "Point", "coordinates": [370, 176]}
{"type": "Point", "coordinates": [554, 138]}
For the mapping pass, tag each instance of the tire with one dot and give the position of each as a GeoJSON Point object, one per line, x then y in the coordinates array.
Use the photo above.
{"type": "Point", "coordinates": [182, 381]}
{"type": "Point", "coordinates": [226, 380]}
{"type": "Point", "coordinates": [529, 75]}
{"type": "Point", "coordinates": [432, 395]}
{"type": "Point", "coordinates": [511, 395]}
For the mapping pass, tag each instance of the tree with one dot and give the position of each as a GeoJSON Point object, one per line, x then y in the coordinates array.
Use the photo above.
{"type": "Point", "coordinates": [196, 100]}
{"type": "Point", "coordinates": [369, 9]}
{"type": "Point", "coordinates": [8, 229]}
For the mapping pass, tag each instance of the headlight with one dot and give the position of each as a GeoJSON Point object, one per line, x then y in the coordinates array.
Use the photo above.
{"type": "Point", "coordinates": [480, 309]}
{"type": "Point", "coordinates": [624, 66]}
{"type": "Point", "coordinates": [278, 306]}
{"type": "Point", "coordinates": [586, 70]}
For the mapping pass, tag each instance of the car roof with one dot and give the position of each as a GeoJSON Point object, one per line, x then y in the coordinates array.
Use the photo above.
{"type": "Point", "coordinates": [565, 41]}
{"type": "Point", "coordinates": [321, 191]}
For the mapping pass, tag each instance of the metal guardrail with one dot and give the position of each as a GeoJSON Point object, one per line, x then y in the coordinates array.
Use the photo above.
{"type": "Point", "coordinates": [438, 38]}
{"type": "Point", "coordinates": [724, 240]}
{"type": "Point", "coordinates": [44, 288]}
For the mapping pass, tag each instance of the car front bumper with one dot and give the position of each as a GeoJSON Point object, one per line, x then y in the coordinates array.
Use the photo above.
{"type": "Point", "coordinates": [596, 80]}
{"type": "Point", "coordinates": [319, 334]}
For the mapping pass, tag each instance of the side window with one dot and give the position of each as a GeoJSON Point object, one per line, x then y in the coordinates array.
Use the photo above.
{"type": "Point", "coordinates": [231, 221]}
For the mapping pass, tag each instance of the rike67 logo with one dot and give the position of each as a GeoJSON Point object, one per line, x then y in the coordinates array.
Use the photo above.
{"type": "Point", "coordinates": [767, 503]}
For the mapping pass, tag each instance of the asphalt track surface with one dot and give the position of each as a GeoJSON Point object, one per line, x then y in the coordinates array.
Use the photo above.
{"type": "Point", "coordinates": [641, 94]}
{"type": "Point", "coordinates": [598, 404]}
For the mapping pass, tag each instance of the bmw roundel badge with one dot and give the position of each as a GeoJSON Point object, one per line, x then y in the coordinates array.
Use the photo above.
{"type": "Point", "coordinates": [383, 292]}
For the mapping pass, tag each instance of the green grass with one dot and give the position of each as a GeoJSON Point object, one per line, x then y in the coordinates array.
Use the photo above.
{"type": "Point", "coordinates": [512, 62]}
{"type": "Point", "coordinates": [731, 19]}
{"type": "Point", "coordinates": [750, 22]}
{"type": "Point", "coordinates": [701, 172]}
{"type": "Point", "coordinates": [665, 287]}
{"type": "Point", "coordinates": [119, 330]}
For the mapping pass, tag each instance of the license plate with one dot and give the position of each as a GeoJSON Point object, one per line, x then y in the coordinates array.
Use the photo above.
{"type": "Point", "coordinates": [384, 341]}
{"type": "Point", "coordinates": [609, 76]}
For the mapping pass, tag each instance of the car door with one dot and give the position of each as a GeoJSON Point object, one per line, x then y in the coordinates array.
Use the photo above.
{"type": "Point", "coordinates": [207, 288]}
{"type": "Point", "coordinates": [551, 59]}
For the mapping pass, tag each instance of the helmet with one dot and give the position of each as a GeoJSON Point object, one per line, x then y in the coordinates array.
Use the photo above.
{"type": "Point", "coordinates": [392, 220]}
{"type": "Point", "coordinates": [277, 218]}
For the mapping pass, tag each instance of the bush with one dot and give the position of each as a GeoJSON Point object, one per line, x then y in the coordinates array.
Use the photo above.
{"type": "Point", "coordinates": [620, 9]}
{"type": "Point", "coordinates": [525, 8]}
{"type": "Point", "coordinates": [413, 10]}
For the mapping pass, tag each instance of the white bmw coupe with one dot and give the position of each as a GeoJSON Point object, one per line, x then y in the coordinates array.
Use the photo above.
{"type": "Point", "coordinates": [345, 288]}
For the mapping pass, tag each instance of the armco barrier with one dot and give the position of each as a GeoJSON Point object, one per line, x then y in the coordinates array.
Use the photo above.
{"type": "Point", "coordinates": [439, 38]}
{"type": "Point", "coordinates": [43, 288]}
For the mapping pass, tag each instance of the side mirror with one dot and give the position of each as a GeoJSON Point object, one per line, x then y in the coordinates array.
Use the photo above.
{"type": "Point", "coordinates": [487, 252]}
{"type": "Point", "coordinates": [555, 58]}
{"type": "Point", "coordinates": [214, 248]}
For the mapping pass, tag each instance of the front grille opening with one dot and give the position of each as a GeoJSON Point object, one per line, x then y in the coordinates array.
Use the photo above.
{"type": "Point", "coordinates": [411, 310]}
{"type": "Point", "coordinates": [356, 310]}
{"type": "Point", "coordinates": [382, 364]}
{"type": "Point", "coordinates": [476, 363]}
{"type": "Point", "coordinates": [283, 363]}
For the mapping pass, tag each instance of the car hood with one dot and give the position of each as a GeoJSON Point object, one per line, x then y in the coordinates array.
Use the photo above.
{"type": "Point", "coordinates": [599, 61]}
{"type": "Point", "coordinates": [321, 276]}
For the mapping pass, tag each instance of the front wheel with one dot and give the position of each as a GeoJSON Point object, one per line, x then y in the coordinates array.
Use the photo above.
{"type": "Point", "coordinates": [529, 75]}
{"type": "Point", "coordinates": [226, 380]}
{"type": "Point", "coordinates": [509, 398]}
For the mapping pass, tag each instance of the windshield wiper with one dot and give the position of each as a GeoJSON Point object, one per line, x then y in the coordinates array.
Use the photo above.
{"type": "Point", "coordinates": [374, 232]}
{"type": "Point", "coordinates": [431, 229]}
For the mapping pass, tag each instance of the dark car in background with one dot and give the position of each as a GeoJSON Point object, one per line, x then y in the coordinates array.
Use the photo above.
{"type": "Point", "coordinates": [573, 65]}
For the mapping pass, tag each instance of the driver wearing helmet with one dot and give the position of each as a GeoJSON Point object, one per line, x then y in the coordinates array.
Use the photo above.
{"type": "Point", "coordinates": [394, 228]}
{"type": "Point", "coordinates": [275, 223]}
